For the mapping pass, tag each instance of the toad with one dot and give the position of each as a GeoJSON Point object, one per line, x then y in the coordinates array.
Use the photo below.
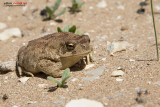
{"type": "Point", "coordinates": [52, 54]}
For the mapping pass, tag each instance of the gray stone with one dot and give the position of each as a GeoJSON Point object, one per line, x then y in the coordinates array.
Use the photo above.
{"type": "Point", "coordinates": [8, 33]}
{"type": "Point", "coordinates": [7, 66]}
{"type": "Point", "coordinates": [94, 74]}
{"type": "Point", "coordinates": [113, 47]}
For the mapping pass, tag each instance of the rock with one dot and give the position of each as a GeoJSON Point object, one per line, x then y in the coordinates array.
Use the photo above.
{"type": "Point", "coordinates": [119, 79]}
{"type": "Point", "coordinates": [132, 60]}
{"type": "Point", "coordinates": [113, 47]}
{"type": "Point", "coordinates": [74, 79]}
{"type": "Point", "coordinates": [2, 25]}
{"type": "Point", "coordinates": [42, 85]}
{"type": "Point", "coordinates": [53, 24]}
{"type": "Point", "coordinates": [90, 7]}
{"type": "Point", "coordinates": [117, 73]}
{"type": "Point", "coordinates": [121, 7]}
{"type": "Point", "coordinates": [102, 4]}
{"type": "Point", "coordinates": [84, 103]}
{"type": "Point", "coordinates": [89, 66]}
{"type": "Point", "coordinates": [24, 79]}
{"type": "Point", "coordinates": [12, 32]}
{"type": "Point", "coordinates": [94, 74]}
{"type": "Point", "coordinates": [31, 102]}
{"type": "Point", "coordinates": [7, 66]}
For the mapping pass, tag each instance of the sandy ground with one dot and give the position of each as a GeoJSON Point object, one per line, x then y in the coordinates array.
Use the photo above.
{"type": "Point", "coordinates": [102, 25]}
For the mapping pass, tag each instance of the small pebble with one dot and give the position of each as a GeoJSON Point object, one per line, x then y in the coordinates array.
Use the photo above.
{"type": "Point", "coordinates": [132, 60]}
{"type": "Point", "coordinates": [42, 85]}
{"type": "Point", "coordinates": [53, 23]}
{"type": "Point", "coordinates": [90, 7]}
{"type": "Point", "coordinates": [74, 79]}
{"type": "Point", "coordinates": [24, 79]}
{"type": "Point", "coordinates": [89, 66]}
{"type": "Point", "coordinates": [119, 79]}
{"type": "Point", "coordinates": [121, 7]}
{"type": "Point", "coordinates": [31, 102]}
{"type": "Point", "coordinates": [102, 4]}
{"type": "Point", "coordinates": [117, 73]}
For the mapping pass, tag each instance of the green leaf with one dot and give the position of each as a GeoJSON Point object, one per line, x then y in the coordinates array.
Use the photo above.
{"type": "Point", "coordinates": [79, 32]}
{"type": "Point", "coordinates": [65, 75]}
{"type": "Point", "coordinates": [72, 29]}
{"type": "Point", "coordinates": [66, 28]}
{"type": "Point", "coordinates": [54, 80]}
{"type": "Point", "coordinates": [80, 5]}
{"type": "Point", "coordinates": [73, 1]}
{"type": "Point", "coordinates": [49, 11]}
{"type": "Point", "coordinates": [56, 5]}
{"type": "Point", "coordinates": [60, 13]}
{"type": "Point", "coordinates": [59, 29]}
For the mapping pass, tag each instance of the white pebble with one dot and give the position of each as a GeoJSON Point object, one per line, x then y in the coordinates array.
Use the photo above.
{"type": "Point", "coordinates": [117, 73]}
{"type": "Point", "coordinates": [23, 44]}
{"type": "Point", "coordinates": [89, 66]}
{"type": "Point", "coordinates": [13, 40]}
{"type": "Point", "coordinates": [42, 85]}
{"type": "Point", "coordinates": [132, 60]}
{"type": "Point", "coordinates": [90, 7]}
{"type": "Point", "coordinates": [119, 79]}
{"type": "Point", "coordinates": [23, 79]}
{"type": "Point", "coordinates": [84, 103]}
{"type": "Point", "coordinates": [6, 77]}
{"type": "Point", "coordinates": [52, 23]}
{"type": "Point", "coordinates": [121, 7]}
{"type": "Point", "coordinates": [118, 17]}
{"type": "Point", "coordinates": [102, 4]}
{"type": "Point", "coordinates": [74, 79]}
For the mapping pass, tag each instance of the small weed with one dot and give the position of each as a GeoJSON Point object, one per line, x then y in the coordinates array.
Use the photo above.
{"type": "Point", "coordinates": [69, 28]}
{"type": "Point", "coordinates": [155, 33]}
{"type": "Point", "coordinates": [62, 83]}
{"type": "Point", "coordinates": [76, 6]}
{"type": "Point", "coordinates": [49, 12]}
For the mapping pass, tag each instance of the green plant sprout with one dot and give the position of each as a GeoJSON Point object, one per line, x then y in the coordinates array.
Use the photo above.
{"type": "Point", "coordinates": [51, 11]}
{"type": "Point", "coordinates": [62, 83]}
{"type": "Point", "coordinates": [76, 5]}
{"type": "Point", "coordinates": [69, 28]}
{"type": "Point", "coordinates": [155, 31]}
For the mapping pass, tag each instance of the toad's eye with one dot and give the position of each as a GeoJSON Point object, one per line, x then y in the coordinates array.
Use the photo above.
{"type": "Point", "coordinates": [70, 46]}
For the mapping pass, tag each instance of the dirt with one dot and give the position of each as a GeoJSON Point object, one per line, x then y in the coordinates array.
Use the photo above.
{"type": "Point", "coordinates": [141, 82]}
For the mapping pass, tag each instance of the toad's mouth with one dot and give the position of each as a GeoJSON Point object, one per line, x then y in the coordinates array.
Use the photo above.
{"type": "Point", "coordinates": [76, 55]}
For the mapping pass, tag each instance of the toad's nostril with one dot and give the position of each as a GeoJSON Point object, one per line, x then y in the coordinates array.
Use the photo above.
{"type": "Point", "coordinates": [84, 46]}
